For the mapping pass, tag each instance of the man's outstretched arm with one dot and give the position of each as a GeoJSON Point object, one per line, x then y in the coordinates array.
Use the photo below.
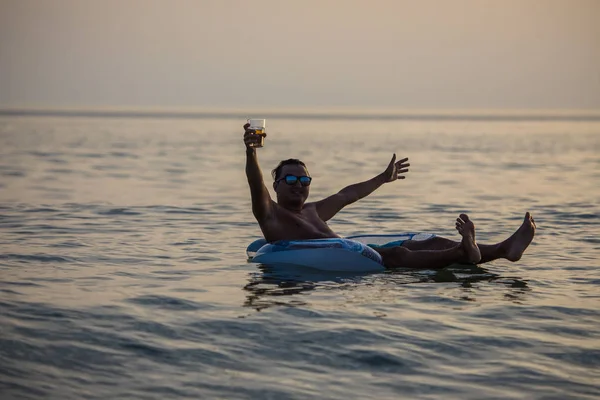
{"type": "Point", "coordinates": [261, 199]}
{"type": "Point", "coordinates": [330, 206]}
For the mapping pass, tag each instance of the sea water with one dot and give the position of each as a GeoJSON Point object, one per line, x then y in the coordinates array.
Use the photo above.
{"type": "Point", "coordinates": [123, 271]}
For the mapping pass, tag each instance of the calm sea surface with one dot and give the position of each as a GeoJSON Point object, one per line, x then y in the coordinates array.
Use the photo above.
{"type": "Point", "coordinates": [123, 271]}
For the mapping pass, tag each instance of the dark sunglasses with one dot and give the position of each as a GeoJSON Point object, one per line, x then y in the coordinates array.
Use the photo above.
{"type": "Point", "coordinates": [292, 179]}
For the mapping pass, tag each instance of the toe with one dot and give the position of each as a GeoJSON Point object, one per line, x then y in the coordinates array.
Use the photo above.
{"type": "Point", "coordinates": [464, 217]}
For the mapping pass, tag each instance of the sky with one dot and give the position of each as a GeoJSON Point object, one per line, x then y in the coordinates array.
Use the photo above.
{"type": "Point", "coordinates": [371, 54]}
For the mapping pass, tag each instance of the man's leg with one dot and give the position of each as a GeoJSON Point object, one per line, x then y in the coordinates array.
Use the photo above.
{"type": "Point", "coordinates": [465, 251]}
{"type": "Point", "coordinates": [401, 257]}
{"type": "Point", "coordinates": [512, 248]}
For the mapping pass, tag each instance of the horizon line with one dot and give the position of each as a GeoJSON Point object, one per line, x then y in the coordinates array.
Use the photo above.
{"type": "Point", "coordinates": [308, 113]}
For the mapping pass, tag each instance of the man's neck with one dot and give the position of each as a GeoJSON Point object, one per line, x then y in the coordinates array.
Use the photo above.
{"type": "Point", "coordinates": [294, 208]}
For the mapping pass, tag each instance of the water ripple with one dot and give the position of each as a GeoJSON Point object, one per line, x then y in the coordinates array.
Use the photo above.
{"type": "Point", "coordinates": [124, 273]}
{"type": "Point", "coordinates": [167, 303]}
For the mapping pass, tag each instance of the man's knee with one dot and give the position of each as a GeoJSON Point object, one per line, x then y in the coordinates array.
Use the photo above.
{"type": "Point", "coordinates": [434, 243]}
{"type": "Point", "coordinates": [394, 257]}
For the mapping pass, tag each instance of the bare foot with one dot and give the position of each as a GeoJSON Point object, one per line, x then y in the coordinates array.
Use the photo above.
{"type": "Point", "coordinates": [466, 228]}
{"type": "Point", "coordinates": [515, 246]}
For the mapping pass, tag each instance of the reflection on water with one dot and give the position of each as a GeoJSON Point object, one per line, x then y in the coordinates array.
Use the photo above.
{"type": "Point", "coordinates": [283, 285]}
{"type": "Point", "coordinates": [272, 283]}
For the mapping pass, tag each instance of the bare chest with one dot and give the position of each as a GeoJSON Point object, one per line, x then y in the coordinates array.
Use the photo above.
{"type": "Point", "coordinates": [297, 226]}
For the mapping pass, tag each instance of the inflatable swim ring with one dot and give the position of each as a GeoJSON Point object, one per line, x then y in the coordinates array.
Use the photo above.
{"type": "Point", "coordinates": [352, 254]}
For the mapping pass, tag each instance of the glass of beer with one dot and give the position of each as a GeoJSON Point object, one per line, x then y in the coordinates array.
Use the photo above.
{"type": "Point", "coordinates": [258, 125]}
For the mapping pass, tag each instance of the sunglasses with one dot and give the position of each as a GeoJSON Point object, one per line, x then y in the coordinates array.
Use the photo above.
{"type": "Point", "coordinates": [292, 179]}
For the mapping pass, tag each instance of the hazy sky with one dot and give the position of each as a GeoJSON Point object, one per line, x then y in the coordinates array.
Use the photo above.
{"type": "Point", "coordinates": [285, 53]}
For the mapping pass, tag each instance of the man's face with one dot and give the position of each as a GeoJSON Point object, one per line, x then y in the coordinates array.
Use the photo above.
{"type": "Point", "coordinates": [295, 194]}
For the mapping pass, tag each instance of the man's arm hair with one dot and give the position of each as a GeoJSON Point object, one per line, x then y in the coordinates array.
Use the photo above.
{"type": "Point", "coordinates": [261, 199]}
{"type": "Point", "coordinates": [331, 205]}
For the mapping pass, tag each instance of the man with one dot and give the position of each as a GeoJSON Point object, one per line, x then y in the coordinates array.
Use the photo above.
{"type": "Point", "coordinates": [291, 218]}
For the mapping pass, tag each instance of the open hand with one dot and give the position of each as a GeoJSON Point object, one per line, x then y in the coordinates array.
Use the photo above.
{"type": "Point", "coordinates": [395, 169]}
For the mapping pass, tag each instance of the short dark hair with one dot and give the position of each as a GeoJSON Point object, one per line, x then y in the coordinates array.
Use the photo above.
{"type": "Point", "coordinates": [277, 171]}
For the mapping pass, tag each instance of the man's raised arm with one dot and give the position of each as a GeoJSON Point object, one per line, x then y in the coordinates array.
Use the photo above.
{"type": "Point", "coordinates": [261, 200]}
{"type": "Point", "coordinates": [330, 206]}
